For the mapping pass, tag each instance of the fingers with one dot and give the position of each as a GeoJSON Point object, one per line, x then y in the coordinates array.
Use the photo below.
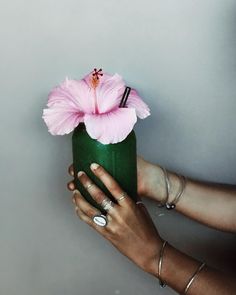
{"type": "Point", "coordinates": [83, 205]}
{"type": "Point", "coordinates": [96, 193]}
{"type": "Point", "coordinates": [70, 184]}
{"type": "Point", "coordinates": [108, 181]}
{"type": "Point", "coordinates": [111, 184]}
{"type": "Point", "coordinates": [86, 212]}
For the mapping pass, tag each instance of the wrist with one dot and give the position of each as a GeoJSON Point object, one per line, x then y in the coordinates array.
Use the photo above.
{"type": "Point", "coordinates": [177, 268]}
{"type": "Point", "coordinates": [155, 183]}
{"type": "Point", "coordinates": [152, 265]}
{"type": "Point", "coordinates": [152, 184]}
{"type": "Point", "coordinates": [149, 261]}
{"type": "Point", "coordinates": [157, 186]}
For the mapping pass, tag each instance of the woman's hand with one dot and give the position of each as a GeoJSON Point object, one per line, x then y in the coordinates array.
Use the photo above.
{"type": "Point", "coordinates": [150, 180]}
{"type": "Point", "coordinates": [130, 228]}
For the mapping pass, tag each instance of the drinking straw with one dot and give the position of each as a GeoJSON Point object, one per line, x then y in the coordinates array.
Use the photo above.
{"type": "Point", "coordinates": [125, 97]}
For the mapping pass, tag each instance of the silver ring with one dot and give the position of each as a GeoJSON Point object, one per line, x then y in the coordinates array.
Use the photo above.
{"type": "Point", "coordinates": [107, 204]}
{"type": "Point", "coordinates": [123, 196]}
{"type": "Point", "coordinates": [88, 186]}
{"type": "Point", "coordinates": [100, 220]}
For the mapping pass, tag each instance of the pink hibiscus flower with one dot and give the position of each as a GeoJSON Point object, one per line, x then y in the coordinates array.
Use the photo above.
{"type": "Point", "coordinates": [94, 100]}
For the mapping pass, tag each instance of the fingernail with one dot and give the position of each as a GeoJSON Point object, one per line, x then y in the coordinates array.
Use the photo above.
{"type": "Point", "coordinates": [76, 208]}
{"type": "Point", "coordinates": [80, 173]}
{"type": "Point", "coordinates": [94, 166]}
{"type": "Point", "coordinates": [71, 185]}
{"type": "Point", "coordinates": [73, 200]}
{"type": "Point", "coordinates": [72, 173]}
{"type": "Point", "coordinates": [76, 192]}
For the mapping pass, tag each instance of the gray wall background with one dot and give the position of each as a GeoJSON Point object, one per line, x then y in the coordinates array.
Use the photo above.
{"type": "Point", "coordinates": [180, 55]}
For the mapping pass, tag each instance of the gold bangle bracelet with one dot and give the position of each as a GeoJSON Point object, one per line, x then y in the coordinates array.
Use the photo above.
{"type": "Point", "coordinates": [193, 277]}
{"type": "Point", "coordinates": [161, 283]}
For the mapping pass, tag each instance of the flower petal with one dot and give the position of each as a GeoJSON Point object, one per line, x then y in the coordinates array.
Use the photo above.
{"type": "Point", "coordinates": [135, 101]}
{"type": "Point", "coordinates": [111, 127]}
{"type": "Point", "coordinates": [107, 91]}
{"type": "Point", "coordinates": [61, 119]}
{"type": "Point", "coordinates": [74, 93]}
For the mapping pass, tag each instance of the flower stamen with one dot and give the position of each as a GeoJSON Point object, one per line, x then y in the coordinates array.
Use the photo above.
{"type": "Point", "coordinates": [94, 83]}
{"type": "Point", "coordinates": [97, 73]}
{"type": "Point", "coordinates": [95, 77]}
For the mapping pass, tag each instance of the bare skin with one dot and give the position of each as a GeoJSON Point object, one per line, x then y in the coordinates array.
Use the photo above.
{"type": "Point", "coordinates": [131, 230]}
{"type": "Point", "coordinates": [209, 203]}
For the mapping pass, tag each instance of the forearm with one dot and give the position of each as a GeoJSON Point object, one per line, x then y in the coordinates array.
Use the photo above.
{"type": "Point", "coordinates": [208, 203]}
{"type": "Point", "coordinates": [178, 268]}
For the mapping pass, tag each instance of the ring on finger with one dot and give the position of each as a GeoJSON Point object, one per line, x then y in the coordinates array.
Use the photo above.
{"type": "Point", "coordinates": [100, 219]}
{"type": "Point", "coordinates": [89, 186]}
{"type": "Point", "coordinates": [122, 197]}
{"type": "Point", "coordinates": [107, 204]}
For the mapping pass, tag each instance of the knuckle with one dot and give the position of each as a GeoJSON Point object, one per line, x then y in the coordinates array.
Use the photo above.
{"type": "Point", "coordinates": [117, 231]}
{"type": "Point", "coordinates": [100, 171]}
{"type": "Point", "coordinates": [90, 212]}
{"type": "Point", "coordinates": [99, 196]}
{"type": "Point", "coordinates": [117, 228]}
{"type": "Point", "coordinates": [121, 225]}
{"type": "Point", "coordinates": [114, 187]}
{"type": "Point", "coordinates": [130, 203]}
{"type": "Point", "coordinates": [81, 217]}
{"type": "Point", "coordinates": [83, 178]}
{"type": "Point", "coordinates": [112, 230]}
{"type": "Point", "coordinates": [118, 218]}
{"type": "Point", "coordinates": [77, 200]}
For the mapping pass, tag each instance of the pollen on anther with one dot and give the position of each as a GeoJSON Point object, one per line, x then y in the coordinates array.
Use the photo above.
{"type": "Point", "coordinates": [97, 73]}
